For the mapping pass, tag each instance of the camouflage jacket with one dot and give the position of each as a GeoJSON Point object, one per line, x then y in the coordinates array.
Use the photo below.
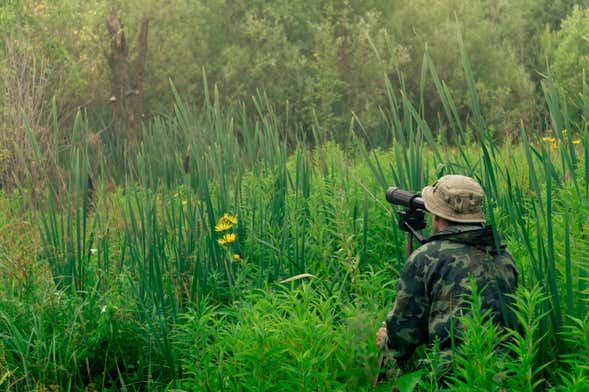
{"type": "Point", "coordinates": [435, 286]}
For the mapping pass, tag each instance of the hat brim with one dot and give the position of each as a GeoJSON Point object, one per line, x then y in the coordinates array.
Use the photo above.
{"type": "Point", "coordinates": [441, 209]}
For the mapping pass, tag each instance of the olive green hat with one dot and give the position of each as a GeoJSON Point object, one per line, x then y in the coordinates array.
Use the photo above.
{"type": "Point", "coordinates": [455, 198]}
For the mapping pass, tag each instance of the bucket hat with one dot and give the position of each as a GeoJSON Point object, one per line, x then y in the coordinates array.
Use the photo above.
{"type": "Point", "coordinates": [455, 198]}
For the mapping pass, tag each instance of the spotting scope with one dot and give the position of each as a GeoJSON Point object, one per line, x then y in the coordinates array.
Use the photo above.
{"type": "Point", "coordinates": [407, 199]}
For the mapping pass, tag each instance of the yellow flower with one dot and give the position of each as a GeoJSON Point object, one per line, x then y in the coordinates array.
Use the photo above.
{"type": "Point", "coordinates": [577, 141]}
{"type": "Point", "coordinates": [176, 195]}
{"type": "Point", "coordinates": [548, 139]}
{"type": "Point", "coordinates": [230, 219]}
{"type": "Point", "coordinates": [564, 132]}
{"type": "Point", "coordinates": [184, 202]}
{"type": "Point", "coordinates": [223, 226]}
{"type": "Point", "coordinates": [225, 222]}
{"type": "Point", "coordinates": [227, 239]}
{"type": "Point", "coordinates": [236, 257]}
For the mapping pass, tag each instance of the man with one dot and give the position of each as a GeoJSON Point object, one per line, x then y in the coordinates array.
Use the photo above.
{"type": "Point", "coordinates": [434, 287]}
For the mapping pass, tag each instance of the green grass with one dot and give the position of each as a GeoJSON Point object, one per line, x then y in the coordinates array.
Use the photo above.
{"type": "Point", "coordinates": [131, 289]}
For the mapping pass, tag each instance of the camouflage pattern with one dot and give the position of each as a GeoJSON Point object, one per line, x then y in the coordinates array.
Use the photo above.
{"type": "Point", "coordinates": [434, 288]}
{"type": "Point", "coordinates": [455, 198]}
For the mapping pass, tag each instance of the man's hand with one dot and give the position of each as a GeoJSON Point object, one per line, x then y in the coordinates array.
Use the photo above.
{"type": "Point", "coordinates": [380, 335]}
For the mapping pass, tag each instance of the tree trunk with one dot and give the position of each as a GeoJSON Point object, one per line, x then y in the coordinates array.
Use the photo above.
{"type": "Point", "coordinates": [126, 79]}
{"type": "Point", "coordinates": [136, 96]}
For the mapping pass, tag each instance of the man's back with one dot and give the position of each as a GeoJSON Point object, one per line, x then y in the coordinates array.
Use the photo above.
{"type": "Point", "coordinates": [451, 263]}
{"type": "Point", "coordinates": [435, 287]}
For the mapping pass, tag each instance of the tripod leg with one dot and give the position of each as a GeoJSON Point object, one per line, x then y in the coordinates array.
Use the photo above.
{"type": "Point", "coordinates": [409, 245]}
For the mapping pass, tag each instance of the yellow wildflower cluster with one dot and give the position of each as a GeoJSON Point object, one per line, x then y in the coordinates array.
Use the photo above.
{"type": "Point", "coordinates": [553, 141]}
{"type": "Point", "coordinates": [226, 222]}
{"type": "Point", "coordinates": [181, 195]}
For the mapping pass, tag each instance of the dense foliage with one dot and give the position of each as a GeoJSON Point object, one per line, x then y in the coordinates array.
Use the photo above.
{"type": "Point", "coordinates": [319, 61]}
{"type": "Point", "coordinates": [244, 242]}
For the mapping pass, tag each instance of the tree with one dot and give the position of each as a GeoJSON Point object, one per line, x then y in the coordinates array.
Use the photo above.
{"type": "Point", "coordinates": [126, 77]}
{"type": "Point", "coordinates": [504, 87]}
{"type": "Point", "coordinates": [571, 53]}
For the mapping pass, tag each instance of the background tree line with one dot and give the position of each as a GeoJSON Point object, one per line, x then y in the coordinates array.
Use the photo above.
{"type": "Point", "coordinates": [316, 61]}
